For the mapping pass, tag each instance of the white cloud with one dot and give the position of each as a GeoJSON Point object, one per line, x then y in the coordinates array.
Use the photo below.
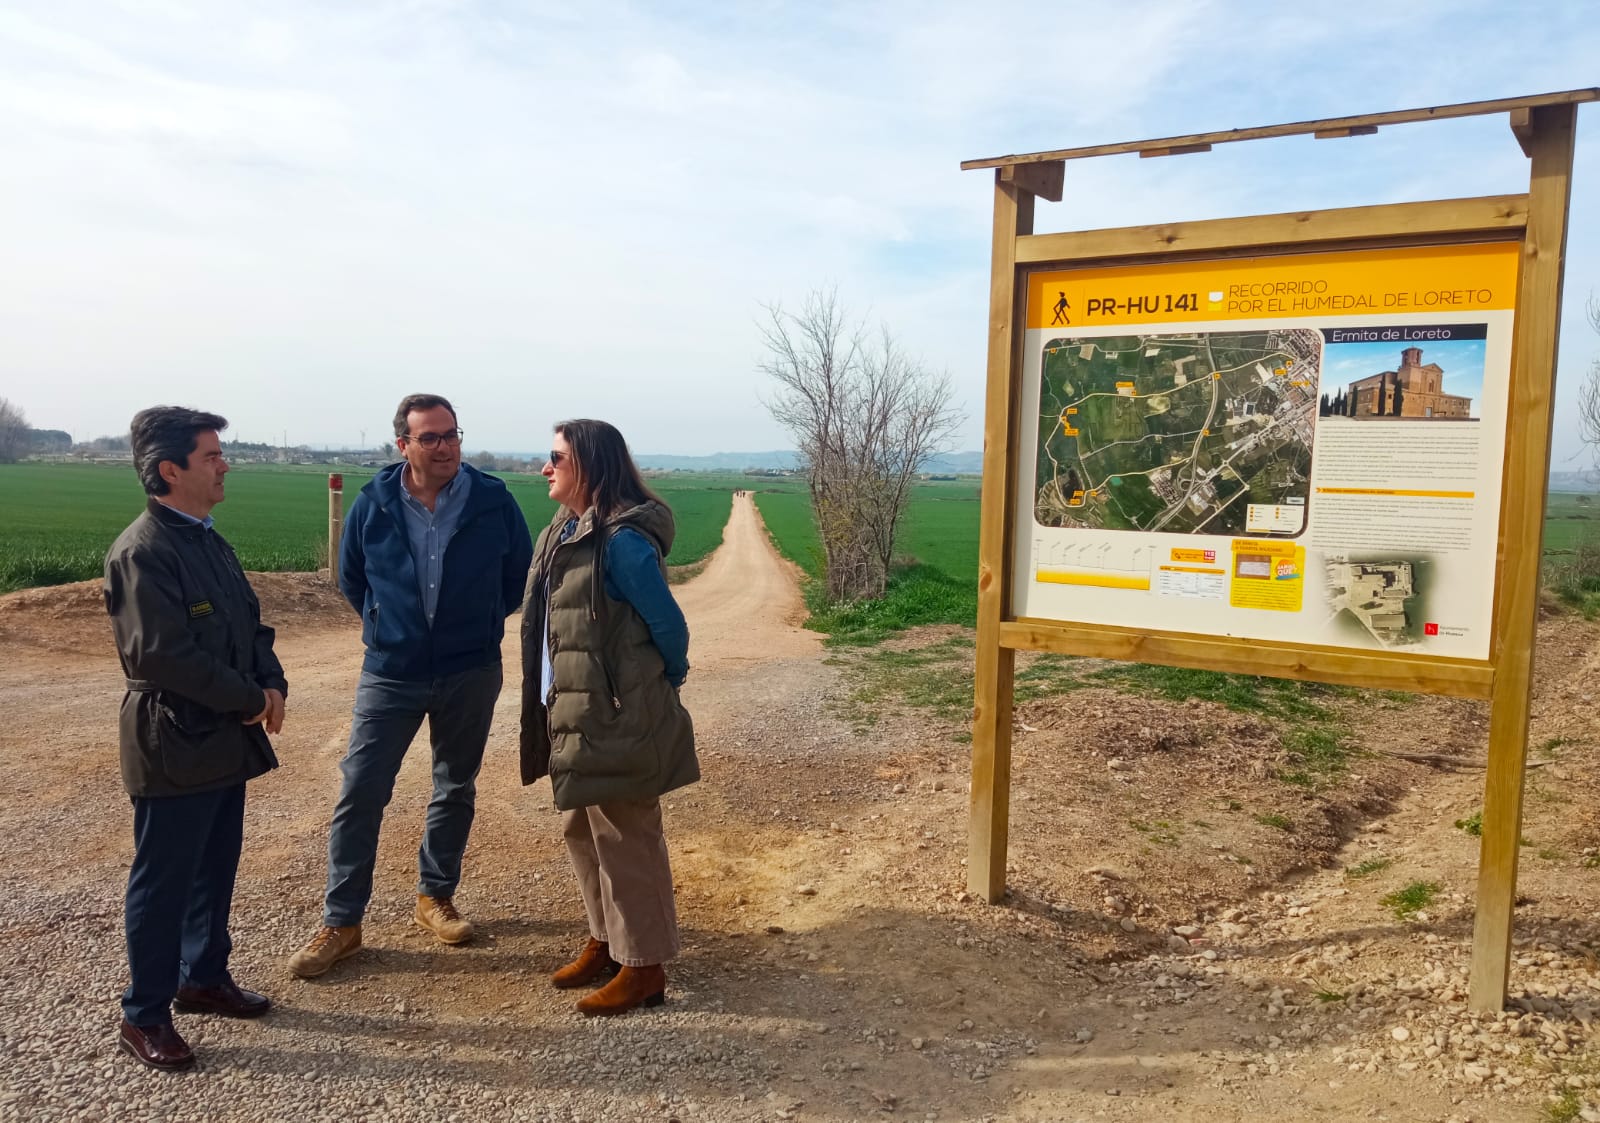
{"type": "Point", "coordinates": [297, 213]}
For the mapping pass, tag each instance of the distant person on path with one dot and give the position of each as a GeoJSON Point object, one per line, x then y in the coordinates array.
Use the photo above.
{"type": "Point", "coordinates": [203, 691]}
{"type": "Point", "coordinates": [433, 557]}
{"type": "Point", "coordinates": [604, 650]}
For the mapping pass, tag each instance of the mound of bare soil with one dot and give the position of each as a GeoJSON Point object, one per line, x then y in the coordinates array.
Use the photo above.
{"type": "Point", "coordinates": [72, 618]}
{"type": "Point", "coordinates": [304, 598]}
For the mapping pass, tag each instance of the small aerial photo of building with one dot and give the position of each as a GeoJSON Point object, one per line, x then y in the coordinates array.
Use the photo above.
{"type": "Point", "coordinates": [1377, 593]}
{"type": "Point", "coordinates": [1385, 381]}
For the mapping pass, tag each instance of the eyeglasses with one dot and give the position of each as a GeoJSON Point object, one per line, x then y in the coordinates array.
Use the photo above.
{"type": "Point", "coordinates": [434, 440]}
{"type": "Point", "coordinates": [557, 457]}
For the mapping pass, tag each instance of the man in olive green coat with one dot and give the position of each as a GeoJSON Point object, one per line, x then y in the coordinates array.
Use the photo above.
{"type": "Point", "coordinates": [203, 691]}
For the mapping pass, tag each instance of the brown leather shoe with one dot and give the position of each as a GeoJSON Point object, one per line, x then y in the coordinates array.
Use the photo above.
{"type": "Point", "coordinates": [439, 916]}
{"type": "Point", "coordinates": [226, 998]}
{"type": "Point", "coordinates": [633, 986]}
{"type": "Point", "coordinates": [594, 963]}
{"type": "Point", "coordinates": [158, 1046]}
{"type": "Point", "coordinates": [326, 948]}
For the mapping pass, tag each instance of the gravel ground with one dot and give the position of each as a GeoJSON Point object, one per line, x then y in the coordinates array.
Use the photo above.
{"type": "Point", "coordinates": [834, 967]}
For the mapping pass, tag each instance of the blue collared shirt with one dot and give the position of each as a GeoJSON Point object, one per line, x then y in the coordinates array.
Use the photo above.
{"type": "Point", "coordinates": [429, 533]}
{"type": "Point", "coordinates": [205, 522]}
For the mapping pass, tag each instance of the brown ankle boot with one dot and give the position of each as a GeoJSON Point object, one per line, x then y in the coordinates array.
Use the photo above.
{"type": "Point", "coordinates": [633, 986]}
{"type": "Point", "coordinates": [594, 963]}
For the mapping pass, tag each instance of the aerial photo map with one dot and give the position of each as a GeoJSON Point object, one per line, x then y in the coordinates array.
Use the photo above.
{"type": "Point", "coordinates": [1179, 433]}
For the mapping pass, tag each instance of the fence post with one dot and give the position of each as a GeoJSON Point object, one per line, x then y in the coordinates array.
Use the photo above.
{"type": "Point", "coordinates": [335, 523]}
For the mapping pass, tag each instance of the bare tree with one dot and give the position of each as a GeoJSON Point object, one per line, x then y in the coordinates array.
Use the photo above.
{"type": "Point", "coordinates": [1589, 392]}
{"type": "Point", "coordinates": [865, 417]}
{"type": "Point", "coordinates": [14, 432]}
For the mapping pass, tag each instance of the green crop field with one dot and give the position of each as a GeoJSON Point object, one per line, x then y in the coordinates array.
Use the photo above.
{"type": "Point", "coordinates": [60, 519]}
{"type": "Point", "coordinates": [787, 513]}
{"type": "Point", "coordinates": [1570, 521]}
{"type": "Point", "coordinates": [940, 528]}
{"type": "Point", "coordinates": [935, 581]}
{"type": "Point", "coordinates": [700, 511]}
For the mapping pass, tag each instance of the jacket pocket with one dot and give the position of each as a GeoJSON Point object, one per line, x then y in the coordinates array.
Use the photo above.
{"type": "Point", "coordinates": [369, 625]}
{"type": "Point", "coordinates": [196, 746]}
{"type": "Point", "coordinates": [612, 698]}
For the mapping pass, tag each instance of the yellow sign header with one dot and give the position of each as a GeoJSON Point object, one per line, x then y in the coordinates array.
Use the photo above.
{"type": "Point", "coordinates": [1395, 279]}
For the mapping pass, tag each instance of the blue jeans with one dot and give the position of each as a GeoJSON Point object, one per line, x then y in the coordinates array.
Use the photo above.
{"type": "Point", "coordinates": [388, 713]}
{"type": "Point", "coordinates": [180, 891]}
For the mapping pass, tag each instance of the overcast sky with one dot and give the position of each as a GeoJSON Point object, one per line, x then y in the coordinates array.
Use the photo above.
{"type": "Point", "coordinates": [294, 213]}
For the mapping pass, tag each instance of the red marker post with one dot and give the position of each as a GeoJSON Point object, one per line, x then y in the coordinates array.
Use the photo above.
{"type": "Point", "coordinates": [335, 522]}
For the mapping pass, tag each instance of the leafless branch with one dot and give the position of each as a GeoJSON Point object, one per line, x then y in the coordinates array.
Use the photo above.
{"type": "Point", "coordinates": [866, 417]}
{"type": "Point", "coordinates": [1589, 392]}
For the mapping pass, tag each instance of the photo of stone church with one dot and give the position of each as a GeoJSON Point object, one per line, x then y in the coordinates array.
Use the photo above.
{"type": "Point", "coordinates": [1414, 391]}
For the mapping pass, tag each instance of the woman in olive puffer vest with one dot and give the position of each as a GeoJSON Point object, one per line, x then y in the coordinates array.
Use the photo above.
{"type": "Point", "coordinates": [604, 650]}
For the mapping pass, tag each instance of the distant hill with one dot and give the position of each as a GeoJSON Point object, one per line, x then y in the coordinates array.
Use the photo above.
{"type": "Point", "coordinates": [969, 463]}
{"type": "Point", "coordinates": [719, 461]}
{"type": "Point", "coordinates": [949, 463]}
{"type": "Point", "coordinates": [1575, 481]}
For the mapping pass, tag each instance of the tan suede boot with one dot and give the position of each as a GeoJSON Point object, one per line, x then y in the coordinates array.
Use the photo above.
{"type": "Point", "coordinates": [633, 987]}
{"type": "Point", "coordinates": [594, 963]}
{"type": "Point", "coordinates": [439, 916]}
{"type": "Point", "coordinates": [326, 948]}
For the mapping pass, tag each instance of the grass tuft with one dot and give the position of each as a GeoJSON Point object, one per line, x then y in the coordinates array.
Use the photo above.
{"type": "Point", "coordinates": [1406, 903]}
{"type": "Point", "coordinates": [1566, 1109]}
{"type": "Point", "coordinates": [1319, 753]}
{"type": "Point", "coordinates": [1368, 867]}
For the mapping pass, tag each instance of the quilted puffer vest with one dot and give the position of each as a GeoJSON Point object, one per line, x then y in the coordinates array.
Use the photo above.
{"type": "Point", "coordinates": [613, 728]}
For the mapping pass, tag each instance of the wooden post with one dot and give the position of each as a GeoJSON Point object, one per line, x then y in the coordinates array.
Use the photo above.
{"type": "Point", "coordinates": [990, 807]}
{"type": "Point", "coordinates": [1548, 138]}
{"type": "Point", "coordinates": [335, 523]}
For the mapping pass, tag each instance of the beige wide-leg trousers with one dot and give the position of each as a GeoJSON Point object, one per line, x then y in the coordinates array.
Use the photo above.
{"type": "Point", "coordinates": [619, 853]}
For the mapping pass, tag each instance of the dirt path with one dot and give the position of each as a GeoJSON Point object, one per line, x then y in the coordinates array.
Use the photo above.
{"type": "Point", "coordinates": [833, 968]}
{"type": "Point", "coordinates": [745, 606]}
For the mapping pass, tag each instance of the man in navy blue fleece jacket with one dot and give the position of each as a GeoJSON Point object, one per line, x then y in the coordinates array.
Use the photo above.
{"type": "Point", "coordinates": [434, 556]}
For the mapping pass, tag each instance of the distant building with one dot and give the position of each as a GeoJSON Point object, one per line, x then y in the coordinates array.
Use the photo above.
{"type": "Point", "coordinates": [1416, 388]}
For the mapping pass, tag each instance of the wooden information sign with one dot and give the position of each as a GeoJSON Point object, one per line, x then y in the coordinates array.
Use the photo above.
{"type": "Point", "coordinates": [1311, 445]}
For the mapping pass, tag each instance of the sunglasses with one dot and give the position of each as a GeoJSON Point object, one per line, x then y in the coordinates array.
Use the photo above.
{"type": "Point", "coordinates": [557, 457]}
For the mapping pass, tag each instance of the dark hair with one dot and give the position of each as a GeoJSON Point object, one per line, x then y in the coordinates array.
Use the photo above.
{"type": "Point", "coordinates": [167, 433]}
{"type": "Point", "coordinates": [414, 402]}
{"type": "Point", "coordinates": [605, 466]}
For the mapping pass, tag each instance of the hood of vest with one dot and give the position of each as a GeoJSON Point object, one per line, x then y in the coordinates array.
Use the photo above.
{"type": "Point", "coordinates": [649, 518]}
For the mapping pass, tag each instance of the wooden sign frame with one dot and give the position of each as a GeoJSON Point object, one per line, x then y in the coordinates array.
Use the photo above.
{"type": "Point", "coordinates": [1544, 125]}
